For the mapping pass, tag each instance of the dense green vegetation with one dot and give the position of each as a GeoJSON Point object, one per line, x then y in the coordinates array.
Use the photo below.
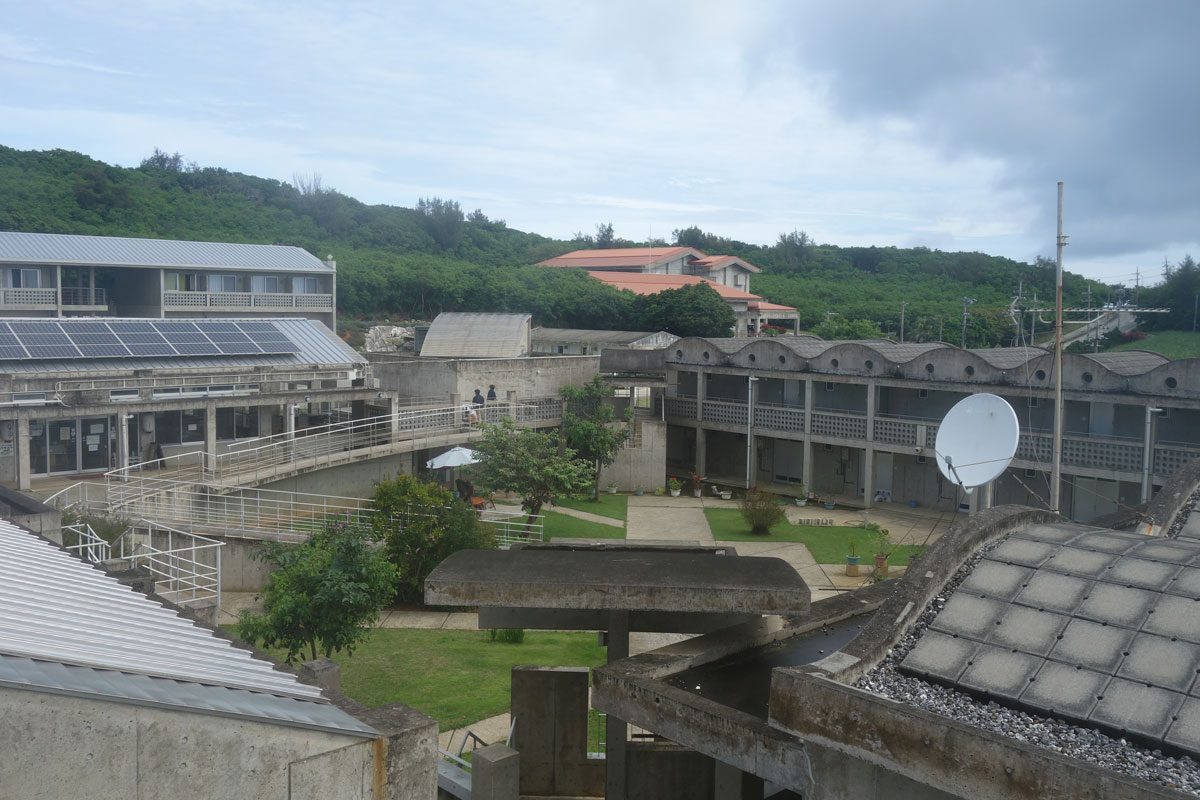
{"type": "Point", "coordinates": [412, 263]}
{"type": "Point", "coordinates": [1172, 344]}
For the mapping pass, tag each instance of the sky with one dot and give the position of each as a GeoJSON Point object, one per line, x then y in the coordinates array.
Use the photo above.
{"type": "Point", "coordinates": [936, 123]}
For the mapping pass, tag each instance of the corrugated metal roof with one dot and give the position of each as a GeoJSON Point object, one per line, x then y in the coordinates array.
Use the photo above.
{"type": "Point", "coordinates": [1009, 357]}
{"type": "Point", "coordinates": [65, 626]}
{"type": "Point", "coordinates": [101, 251]}
{"type": "Point", "coordinates": [318, 345]}
{"type": "Point", "coordinates": [585, 335]}
{"type": "Point", "coordinates": [462, 335]}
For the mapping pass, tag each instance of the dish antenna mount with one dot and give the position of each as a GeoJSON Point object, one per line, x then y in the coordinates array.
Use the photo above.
{"type": "Point", "coordinates": [977, 440]}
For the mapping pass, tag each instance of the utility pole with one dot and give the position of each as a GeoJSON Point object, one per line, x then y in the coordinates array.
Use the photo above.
{"type": "Point", "coordinates": [903, 303]}
{"type": "Point", "coordinates": [966, 302]}
{"type": "Point", "coordinates": [1195, 309]}
{"type": "Point", "coordinates": [941, 329]}
{"type": "Point", "coordinates": [1056, 465]}
{"type": "Point", "coordinates": [1033, 321]}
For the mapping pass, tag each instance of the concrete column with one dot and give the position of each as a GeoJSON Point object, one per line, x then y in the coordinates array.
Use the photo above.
{"type": "Point", "coordinates": [869, 450]}
{"type": "Point", "coordinates": [123, 441]}
{"type": "Point", "coordinates": [701, 454]}
{"type": "Point", "coordinates": [616, 731]}
{"type": "Point", "coordinates": [58, 289]}
{"type": "Point", "coordinates": [22, 449]}
{"type": "Point", "coordinates": [91, 286]}
{"type": "Point", "coordinates": [808, 426]}
{"type": "Point", "coordinates": [289, 420]}
{"type": "Point", "coordinates": [495, 773]}
{"type": "Point", "coordinates": [210, 436]}
{"type": "Point", "coordinates": [730, 783]}
{"type": "Point", "coordinates": [393, 411]}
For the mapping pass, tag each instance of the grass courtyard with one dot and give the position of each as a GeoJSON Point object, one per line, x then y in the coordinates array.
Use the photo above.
{"type": "Point", "coordinates": [827, 544]}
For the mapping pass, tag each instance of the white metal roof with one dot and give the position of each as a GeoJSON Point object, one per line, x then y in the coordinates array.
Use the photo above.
{"type": "Point", "coordinates": [65, 626]}
{"type": "Point", "coordinates": [464, 335]}
{"type": "Point", "coordinates": [317, 345]}
{"type": "Point", "coordinates": [113, 251]}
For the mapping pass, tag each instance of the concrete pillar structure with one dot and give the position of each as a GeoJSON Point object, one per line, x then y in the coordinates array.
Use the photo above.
{"type": "Point", "coordinates": [23, 468]}
{"type": "Point", "coordinates": [495, 773]}
{"type": "Point", "coordinates": [616, 732]}
{"type": "Point", "coordinates": [550, 707]}
{"type": "Point", "coordinates": [869, 450]}
{"type": "Point", "coordinates": [210, 436]}
{"type": "Point", "coordinates": [123, 440]}
{"type": "Point", "coordinates": [808, 426]}
{"type": "Point", "coordinates": [701, 454]}
{"type": "Point", "coordinates": [731, 783]}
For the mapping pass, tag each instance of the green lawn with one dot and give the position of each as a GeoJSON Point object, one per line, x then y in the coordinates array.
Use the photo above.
{"type": "Point", "coordinates": [609, 505]}
{"type": "Point", "coordinates": [828, 544]}
{"type": "Point", "coordinates": [1172, 344]}
{"type": "Point", "coordinates": [560, 525]}
{"type": "Point", "coordinates": [456, 677]}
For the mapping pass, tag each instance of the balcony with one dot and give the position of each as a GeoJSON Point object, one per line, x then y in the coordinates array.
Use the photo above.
{"type": "Point", "coordinates": [1034, 449]}
{"type": "Point", "coordinates": [240, 301]}
{"type": "Point", "coordinates": [73, 297]}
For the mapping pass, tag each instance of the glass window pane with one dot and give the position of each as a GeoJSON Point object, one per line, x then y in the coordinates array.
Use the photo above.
{"type": "Point", "coordinates": [192, 422]}
{"type": "Point", "coordinates": [224, 424]}
{"type": "Point", "coordinates": [167, 428]}
{"type": "Point", "coordinates": [245, 422]}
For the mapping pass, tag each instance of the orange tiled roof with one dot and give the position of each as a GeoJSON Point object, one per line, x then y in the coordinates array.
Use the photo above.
{"type": "Point", "coordinates": [618, 257]}
{"type": "Point", "coordinates": [716, 262]}
{"type": "Point", "coordinates": [649, 283]}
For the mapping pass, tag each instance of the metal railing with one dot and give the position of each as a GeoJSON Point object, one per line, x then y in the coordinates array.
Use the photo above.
{"type": "Point", "coordinates": [187, 300]}
{"type": "Point", "coordinates": [186, 568]}
{"type": "Point", "coordinates": [84, 542]}
{"type": "Point", "coordinates": [84, 296]}
{"type": "Point", "coordinates": [310, 377]}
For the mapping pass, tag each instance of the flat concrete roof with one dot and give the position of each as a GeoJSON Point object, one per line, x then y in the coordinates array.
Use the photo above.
{"type": "Point", "coordinates": [618, 580]}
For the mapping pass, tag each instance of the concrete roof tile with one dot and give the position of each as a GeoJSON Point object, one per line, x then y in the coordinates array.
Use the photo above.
{"type": "Point", "coordinates": [1025, 552]}
{"type": "Point", "coordinates": [1092, 645]}
{"type": "Point", "coordinates": [1185, 727]}
{"type": "Point", "coordinates": [992, 578]}
{"type": "Point", "coordinates": [1109, 541]}
{"type": "Point", "coordinates": [1169, 550]}
{"type": "Point", "coordinates": [969, 615]}
{"type": "Point", "coordinates": [1083, 563]}
{"type": "Point", "coordinates": [1186, 583]}
{"type": "Point", "coordinates": [1162, 662]}
{"type": "Point", "coordinates": [939, 656]}
{"type": "Point", "coordinates": [1118, 605]}
{"type": "Point", "coordinates": [1062, 593]}
{"type": "Point", "coordinates": [1059, 533]}
{"type": "Point", "coordinates": [1028, 630]}
{"type": "Point", "coordinates": [1065, 690]}
{"type": "Point", "coordinates": [1138, 572]}
{"type": "Point", "coordinates": [999, 672]}
{"type": "Point", "coordinates": [1136, 708]}
{"type": "Point", "coordinates": [1175, 616]}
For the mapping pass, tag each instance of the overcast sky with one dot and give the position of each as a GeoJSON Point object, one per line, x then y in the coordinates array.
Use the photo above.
{"type": "Point", "coordinates": [944, 124]}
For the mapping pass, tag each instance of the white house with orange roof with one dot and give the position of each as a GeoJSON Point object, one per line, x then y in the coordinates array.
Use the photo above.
{"type": "Point", "coordinates": [649, 270]}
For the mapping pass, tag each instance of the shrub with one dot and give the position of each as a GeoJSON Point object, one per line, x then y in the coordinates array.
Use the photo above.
{"type": "Point", "coordinates": [421, 525]}
{"type": "Point", "coordinates": [760, 510]}
{"type": "Point", "coordinates": [508, 635]}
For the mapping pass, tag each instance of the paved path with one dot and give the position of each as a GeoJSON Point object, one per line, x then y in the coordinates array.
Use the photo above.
{"type": "Point", "coordinates": [587, 515]}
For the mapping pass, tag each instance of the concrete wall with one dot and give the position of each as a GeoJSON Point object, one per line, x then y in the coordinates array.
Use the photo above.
{"type": "Point", "coordinates": [550, 706]}
{"type": "Point", "coordinates": [642, 467]}
{"type": "Point", "coordinates": [58, 746]}
{"type": "Point", "coordinates": [528, 377]}
{"type": "Point", "coordinates": [356, 479]}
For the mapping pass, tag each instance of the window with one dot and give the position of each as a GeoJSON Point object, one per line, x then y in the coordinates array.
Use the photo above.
{"type": "Point", "coordinates": [237, 423]}
{"type": "Point", "coordinates": [179, 427]}
{"type": "Point", "coordinates": [829, 387]}
{"type": "Point", "coordinates": [24, 279]}
{"type": "Point", "coordinates": [921, 459]}
{"type": "Point", "coordinates": [922, 393]}
{"type": "Point", "coordinates": [265, 283]}
{"type": "Point", "coordinates": [1030, 473]}
{"type": "Point", "coordinates": [191, 423]}
{"type": "Point", "coordinates": [123, 395]}
{"type": "Point", "coordinates": [304, 286]}
{"type": "Point", "coordinates": [183, 282]}
{"type": "Point", "coordinates": [1033, 402]}
{"type": "Point", "coordinates": [222, 283]}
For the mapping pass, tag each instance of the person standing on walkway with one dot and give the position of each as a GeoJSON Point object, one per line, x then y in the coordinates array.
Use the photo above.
{"type": "Point", "coordinates": [491, 396]}
{"type": "Point", "coordinates": [477, 400]}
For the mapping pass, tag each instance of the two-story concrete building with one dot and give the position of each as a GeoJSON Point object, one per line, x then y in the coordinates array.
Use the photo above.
{"type": "Point", "coordinates": [61, 275]}
{"type": "Point", "coordinates": [857, 420]}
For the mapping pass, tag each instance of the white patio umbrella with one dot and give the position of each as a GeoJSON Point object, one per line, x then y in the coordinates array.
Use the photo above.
{"type": "Point", "coordinates": [454, 457]}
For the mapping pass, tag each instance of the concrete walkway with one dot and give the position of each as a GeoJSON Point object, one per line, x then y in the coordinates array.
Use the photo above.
{"type": "Point", "coordinates": [587, 515]}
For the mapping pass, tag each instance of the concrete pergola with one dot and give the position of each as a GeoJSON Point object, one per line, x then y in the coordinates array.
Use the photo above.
{"type": "Point", "coordinates": [618, 588]}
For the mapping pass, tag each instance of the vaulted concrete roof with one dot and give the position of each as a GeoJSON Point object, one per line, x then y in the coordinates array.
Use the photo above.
{"type": "Point", "coordinates": [468, 335]}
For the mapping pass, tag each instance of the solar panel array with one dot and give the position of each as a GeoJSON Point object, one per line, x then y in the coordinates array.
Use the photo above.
{"type": "Point", "coordinates": [158, 338]}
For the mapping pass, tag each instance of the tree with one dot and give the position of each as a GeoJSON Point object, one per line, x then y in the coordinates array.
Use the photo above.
{"type": "Point", "coordinates": [793, 249]}
{"type": "Point", "coordinates": [838, 327]}
{"type": "Point", "coordinates": [529, 463]}
{"type": "Point", "coordinates": [591, 426]}
{"type": "Point", "coordinates": [160, 159]}
{"type": "Point", "coordinates": [695, 310]}
{"type": "Point", "coordinates": [604, 236]}
{"type": "Point", "coordinates": [443, 220]}
{"type": "Point", "coordinates": [1178, 291]}
{"type": "Point", "coordinates": [421, 525]}
{"type": "Point", "coordinates": [324, 596]}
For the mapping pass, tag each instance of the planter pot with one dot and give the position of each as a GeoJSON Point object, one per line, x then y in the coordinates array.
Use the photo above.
{"type": "Point", "coordinates": [638, 492]}
{"type": "Point", "coordinates": [674, 492]}
{"type": "Point", "coordinates": [881, 565]}
{"type": "Point", "coordinates": [829, 506]}
{"type": "Point", "coordinates": [726, 495]}
{"type": "Point", "coordinates": [800, 501]}
{"type": "Point", "coordinates": [696, 492]}
{"type": "Point", "coordinates": [611, 490]}
{"type": "Point", "coordinates": [852, 566]}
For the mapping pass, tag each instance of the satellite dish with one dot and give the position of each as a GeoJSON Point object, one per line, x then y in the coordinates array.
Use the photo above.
{"type": "Point", "coordinates": [977, 440]}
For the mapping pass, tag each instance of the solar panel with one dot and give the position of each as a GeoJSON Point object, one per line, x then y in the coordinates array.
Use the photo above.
{"type": "Point", "coordinates": [103, 350]}
{"type": "Point", "coordinates": [278, 347]}
{"type": "Point", "coordinates": [176, 326]}
{"type": "Point", "coordinates": [196, 348]}
{"type": "Point", "coordinates": [143, 338]}
{"type": "Point", "coordinates": [131, 327]}
{"type": "Point", "coordinates": [255, 327]}
{"type": "Point", "coordinates": [184, 336]}
{"type": "Point", "coordinates": [238, 348]}
{"type": "Point", "coordinates": [234, 336]}
{"type": "Point", "coordinates": [210, 327]}
{"type": "Point", "coordinates": [8, 352]}
{"type": "Point", "coordinates": [77, 328]}
{"type": "Point", "coordinates": [160, 349]}
{"type": "Point", "coordinates": [30, 328]}
{"type": "Point", "coordinates": [52, 351]}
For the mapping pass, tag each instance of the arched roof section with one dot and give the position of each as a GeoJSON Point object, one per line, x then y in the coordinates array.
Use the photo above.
{"type": "Point", "coordinates": [698, 350]}
{"type": "Point", "coordinates": [852, 358]}
{"type": "Point", "coordinates": [1173, 379]}
{"type": "Point", "coordinates": [767, 353]}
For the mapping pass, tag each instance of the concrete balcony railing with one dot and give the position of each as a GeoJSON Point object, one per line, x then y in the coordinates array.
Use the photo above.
{"type": "Point", "coordinates": [186, 301]}
{"type": "Point", "coordinates": [28, 298]}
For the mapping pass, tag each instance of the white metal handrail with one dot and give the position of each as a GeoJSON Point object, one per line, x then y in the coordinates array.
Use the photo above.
{"type": "Point", "coordinates": [87, 543]}
{"type": "Point", "coordinates": [186, 571]}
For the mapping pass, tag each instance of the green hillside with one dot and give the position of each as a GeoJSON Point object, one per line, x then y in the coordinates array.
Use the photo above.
{"type": "Point", "coordinates": [412, 263]}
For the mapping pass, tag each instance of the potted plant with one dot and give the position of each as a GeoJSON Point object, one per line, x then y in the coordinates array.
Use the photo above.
{"type": "Point", "coordinates": [801, 498]}
{"type": "Point", "coordinates": [852, 559]}
{"type": "Point", "coordinates": [883, 549]}
{"type": "Point", "coordinates": [674, 485]}
{"type": "Point", "coordinates": [829, 505]}
{"type": "Point", "coordinates": [658, 491]}
{"type": "Point", "coordinates": [611, 488]}
{"type": "Point", "coordinates": [639, 491]}
{"type": "Point", "coordinates": [697, 484]}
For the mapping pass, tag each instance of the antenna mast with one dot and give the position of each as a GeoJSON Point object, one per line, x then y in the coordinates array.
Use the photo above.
{"type": "Point", "coordinates": [1056, 465]}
